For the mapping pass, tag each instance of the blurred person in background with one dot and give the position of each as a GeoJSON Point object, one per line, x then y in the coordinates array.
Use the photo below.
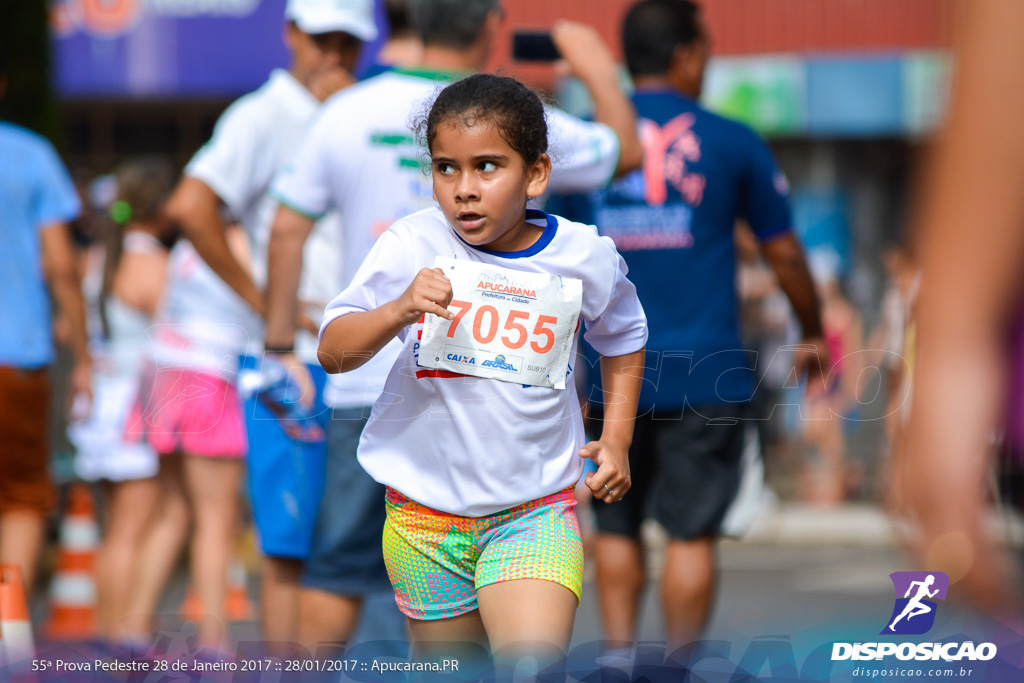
{"type": "Point", "coordinates": [88, 228]}
{"type": "Point", "coordinates": [970, 314]}
{"type": "Point", "coordinates": [361, 159]}
{"type": "Point", "coordinates": [828, 477]}
{"type": "Point", "coordinates": [769, 331]}
{"type": "Point", "coordinates": [673, 223]}
{"type": "Point", "coordinates": [403, 46]}
{"type": "Point", "coordinates": [37, 262]}
{"type": "Point", "coordinates": [189, 411]}
{"type": "Point", "coordinates": [766, 326]}
{"type": "Point", "coordinates": [123, 285]}
{"type": "Point", "coordinates": [252, 141]}
{"type": "Point", "coordinates": [891, 346]}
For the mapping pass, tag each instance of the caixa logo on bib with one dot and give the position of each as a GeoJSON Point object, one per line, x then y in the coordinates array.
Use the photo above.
{"type": "Point", "coordinates": [914, 612]}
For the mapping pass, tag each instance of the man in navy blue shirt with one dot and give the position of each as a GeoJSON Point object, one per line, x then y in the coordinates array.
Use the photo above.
{"type": "Point", "coordinates": [673, 222]}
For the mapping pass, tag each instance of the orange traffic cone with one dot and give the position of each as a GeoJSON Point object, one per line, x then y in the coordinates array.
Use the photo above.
{"type": "Point", "coordinates": [192, 608]}
{"type": "Point", "coordinates": [237, 604]}
{"type": "Point", "coordinates": [16, 644]}
{"type": "Point", "coordinates": [73, 591]}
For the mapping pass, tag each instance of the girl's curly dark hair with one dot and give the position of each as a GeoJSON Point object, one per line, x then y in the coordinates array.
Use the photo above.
{"type": "Point", "coordinates": [514, 109]}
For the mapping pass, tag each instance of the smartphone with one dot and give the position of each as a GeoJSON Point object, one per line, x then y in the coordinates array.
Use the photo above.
{"type": "Point", "coordinates": [534, 46]}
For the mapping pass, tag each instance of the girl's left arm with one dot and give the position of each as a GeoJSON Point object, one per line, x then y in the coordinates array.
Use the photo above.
{"type": "Point", "coordinates": [622, 377]}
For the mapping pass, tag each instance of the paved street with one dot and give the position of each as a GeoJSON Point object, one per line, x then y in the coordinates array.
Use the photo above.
{"type": "Point", "coordinates": [803, 578]}
{"type": "Point", "coordinates": [768, 589]}
{"type": "Point", "coordinates": [798, 566]}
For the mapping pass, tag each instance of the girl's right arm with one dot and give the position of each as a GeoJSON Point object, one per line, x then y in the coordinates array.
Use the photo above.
{"type": "Point", "coordinates": [354, 338]}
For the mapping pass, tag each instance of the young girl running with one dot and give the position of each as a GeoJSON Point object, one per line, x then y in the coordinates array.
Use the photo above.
{"type": "Point", "coordinates": [477, 434]}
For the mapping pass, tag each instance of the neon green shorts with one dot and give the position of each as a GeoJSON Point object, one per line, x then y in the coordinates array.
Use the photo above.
{"type": "Point", "coordinates": [437, 561]}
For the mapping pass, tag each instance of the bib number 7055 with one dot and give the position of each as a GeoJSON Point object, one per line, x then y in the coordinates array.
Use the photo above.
{"type": "Point", "coordinates": [510, 325]}
{"type": "Point", "coordinates": [486, 322]}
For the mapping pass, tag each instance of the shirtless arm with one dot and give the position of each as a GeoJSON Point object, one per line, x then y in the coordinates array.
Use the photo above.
{"type": "Point", "coordinates": [592, 62]}
{"type": "Point", "coordinates": [284, 265]}
{"type": "Point", "coordinates": [62, 278]}
{"type": "Point", "coordinates": [787, 259]}
{"type": "Point", "coordinates": [971, 249]}
{"type": "Point", "coordinates": [196, 208]}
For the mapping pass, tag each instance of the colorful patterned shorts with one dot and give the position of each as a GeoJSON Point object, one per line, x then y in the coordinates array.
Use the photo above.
{"type": "Point", "coordinates": [437, 561]}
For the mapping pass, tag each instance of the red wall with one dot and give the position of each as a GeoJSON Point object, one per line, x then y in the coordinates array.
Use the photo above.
{"type": "Point", "coordinates": [753, 26]}
{"type": "Point", "coordinates": [756, 26]}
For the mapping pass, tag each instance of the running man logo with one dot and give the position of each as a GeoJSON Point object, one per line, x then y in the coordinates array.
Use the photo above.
{"type": "Point", "coordinates": [914, 613]}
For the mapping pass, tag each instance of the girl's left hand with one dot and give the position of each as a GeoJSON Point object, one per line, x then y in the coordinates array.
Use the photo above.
{"type": "Point", "coordinates": [611, 481]}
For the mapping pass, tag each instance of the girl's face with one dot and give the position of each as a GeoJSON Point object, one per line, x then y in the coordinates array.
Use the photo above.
{"type": "Point", "coordinates": [482, 185]}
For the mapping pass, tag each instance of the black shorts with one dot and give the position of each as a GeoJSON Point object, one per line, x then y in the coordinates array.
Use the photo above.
{"type": "Point", "coordinates": [685, 472]}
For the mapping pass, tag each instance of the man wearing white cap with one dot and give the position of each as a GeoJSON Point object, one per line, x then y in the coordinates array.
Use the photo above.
{"type": "Point", "coordinates": [252, 141]}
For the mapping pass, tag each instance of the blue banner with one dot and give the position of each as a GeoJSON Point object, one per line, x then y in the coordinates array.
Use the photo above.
{"type": "Point", "coordinates": [167, 48]}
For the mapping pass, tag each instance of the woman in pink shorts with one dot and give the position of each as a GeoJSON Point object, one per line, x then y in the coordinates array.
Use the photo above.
{"type": "Point", "coordinates": [190, 412]}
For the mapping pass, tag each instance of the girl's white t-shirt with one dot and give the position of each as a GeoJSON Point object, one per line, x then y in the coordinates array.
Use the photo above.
{"type": "Point", "coordinates": [472, 446]}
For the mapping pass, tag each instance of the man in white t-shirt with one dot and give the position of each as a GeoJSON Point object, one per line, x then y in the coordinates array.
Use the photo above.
{"type": "Point", "coordinates": [361, 159]}
{"type": "Point", "coordinates": [252, 141]}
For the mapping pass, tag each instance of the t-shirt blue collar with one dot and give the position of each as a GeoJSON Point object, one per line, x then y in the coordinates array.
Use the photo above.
{"type": "Point", "coordinates": [544, 240]}
{"type": "Point", "coordinates": [665, 90]}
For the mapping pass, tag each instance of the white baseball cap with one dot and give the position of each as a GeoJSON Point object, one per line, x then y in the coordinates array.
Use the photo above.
{"type": "Point", "coordinates": [354, 17]}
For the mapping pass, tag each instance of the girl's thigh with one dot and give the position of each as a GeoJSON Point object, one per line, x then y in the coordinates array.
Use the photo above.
{"type": "Point", "coordinates": [465, 628]}
{"type": "Point", "coordinates": [213, 484]}
{"type": "Point", "coordinates": [527, 617]}
{"type": "Point", "coordinates": [131, 505]}
{"type": "Point", "coordinates": [460, 639]}
{"type": "Point", "coordinates": [530, 575]}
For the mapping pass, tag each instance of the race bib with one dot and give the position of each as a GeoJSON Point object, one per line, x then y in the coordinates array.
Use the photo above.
{"type": "Point", "coordinates": [509, 325]}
